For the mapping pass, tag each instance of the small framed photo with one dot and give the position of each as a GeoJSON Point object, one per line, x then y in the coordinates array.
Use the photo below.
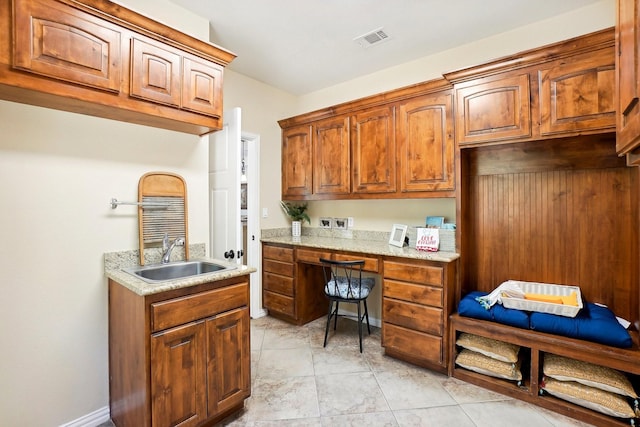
{"type": "Point", "coordinates": [435, 221]}
{"type": "Point", "coordinates": [325, 222]}
{"type": "Point", "coordinates": [340, 223]}
{"type": "Point", "coordinates": [398, 232]}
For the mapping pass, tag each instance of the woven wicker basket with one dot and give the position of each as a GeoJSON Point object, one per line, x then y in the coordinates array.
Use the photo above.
{"type": "Point", "coordinates": [545, 307]}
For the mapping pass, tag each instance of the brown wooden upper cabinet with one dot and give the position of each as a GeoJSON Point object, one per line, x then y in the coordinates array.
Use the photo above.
{"type": "Point", "coordinates": [564, 89]}
{"type": "Point", "coordinates": [426, 151]}
{"type": "Point", "coordinates": [628, 76]}
{"type": "Point", "coordinates": [374, 151]}
{"type": "Point", "coordinates": [95, 57]}
{"type": "Point", "coordinates": [493, 109]}
{"type": "Point", "coordinates": [397, 144]}
{"type": "Point", "coordinates": [331, 163]}
{"type": "Point", "coordinates": [297, 168]}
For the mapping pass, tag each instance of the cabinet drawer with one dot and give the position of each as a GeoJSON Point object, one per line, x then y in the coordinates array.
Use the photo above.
{"type": "Point", "coordinates": [413, 343]}
{"type": "Point", "coordinates": [277, 267]}
{"type": "Point", "coordinates": [277, 283]}
{"type": "Point", "coordinates": [370, 264]}
{"type": "Point", "coordinates": [414, 316]}
{"type": "Point", "coordinates": [424, 274]}
{"type": "Point", "coordinates": [277, 253]}
{"type": "Point", "coordinates": [279, 303]}
{"type": "Point", "coordinates": [310, 256]}
{"type": "Point", "coordinates": [421, 294]}
{"type": "Point", "coordinates": [166, 314]}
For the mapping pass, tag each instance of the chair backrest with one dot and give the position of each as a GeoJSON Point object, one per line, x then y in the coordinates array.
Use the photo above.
{"type": "Point", "coordinates": [338, 273]}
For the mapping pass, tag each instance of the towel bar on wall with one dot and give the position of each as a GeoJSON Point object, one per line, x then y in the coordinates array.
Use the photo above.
{"type": "Point", "coordinates": [155, 205]}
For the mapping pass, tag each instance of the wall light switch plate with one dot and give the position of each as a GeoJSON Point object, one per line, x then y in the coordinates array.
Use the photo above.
{"type": "Point", "coordinates": [350, 222]}
{"type": "Point", "coordinates": [265, 212]}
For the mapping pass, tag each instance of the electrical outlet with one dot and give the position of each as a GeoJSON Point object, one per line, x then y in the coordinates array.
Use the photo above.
{"type": "Point", "coordinates": [350, 222]}
{"type": "Point", "coordinates": [265, 212]}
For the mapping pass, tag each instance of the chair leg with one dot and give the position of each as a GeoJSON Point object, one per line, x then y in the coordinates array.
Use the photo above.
{"type": "Point", "coordinates": [360, 326]}
{"type": "Point", "coordinates": [366, 313]}
{"type": "Point", "coordinates": [326, 331]}
{"type": "Point", "coordinates": [335, 321]}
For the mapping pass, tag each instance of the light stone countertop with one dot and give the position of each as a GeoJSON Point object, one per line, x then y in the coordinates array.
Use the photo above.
{"type": "Point", "coordinates": [115, 262]}
{"type": "Point", "coordinates": [373, 247]}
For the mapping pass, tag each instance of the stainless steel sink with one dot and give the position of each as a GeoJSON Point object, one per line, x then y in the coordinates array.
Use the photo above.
{"type": "Point", "coordinates": [176, 270]}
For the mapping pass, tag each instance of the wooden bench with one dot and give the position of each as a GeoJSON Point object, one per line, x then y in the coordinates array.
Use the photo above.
{"type": "Point", "coordinates": [535, 344]}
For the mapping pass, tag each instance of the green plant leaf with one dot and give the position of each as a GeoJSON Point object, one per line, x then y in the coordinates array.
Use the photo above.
{"type": "Point", "coordinates": [297, 212]}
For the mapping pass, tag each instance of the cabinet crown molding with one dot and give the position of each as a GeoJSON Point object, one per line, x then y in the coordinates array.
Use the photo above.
{"type": "Point", "coordinates": [539, 55]}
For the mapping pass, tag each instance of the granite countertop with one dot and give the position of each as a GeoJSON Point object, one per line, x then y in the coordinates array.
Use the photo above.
{"type": "Point", "coordinates": [374, 247]}
{"type": "Point", "coordinates": [115, 262]}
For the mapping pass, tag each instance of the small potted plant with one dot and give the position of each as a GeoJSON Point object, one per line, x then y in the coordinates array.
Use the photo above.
{"type": "Point", "coordinates": [298, 214]}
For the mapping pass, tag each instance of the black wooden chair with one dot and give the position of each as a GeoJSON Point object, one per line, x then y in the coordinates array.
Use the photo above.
{"type": "Point", "coordinates": [344, 283]}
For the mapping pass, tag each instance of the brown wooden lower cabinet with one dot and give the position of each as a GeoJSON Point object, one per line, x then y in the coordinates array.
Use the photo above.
{"type": "Point", "coordinates": [417, 297]}
{"type": "Point", "coordinates": [180, 357]}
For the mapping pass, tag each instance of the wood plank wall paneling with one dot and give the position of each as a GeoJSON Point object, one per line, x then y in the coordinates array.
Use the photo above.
{"type": "Point", "coordinates": [560, 212]}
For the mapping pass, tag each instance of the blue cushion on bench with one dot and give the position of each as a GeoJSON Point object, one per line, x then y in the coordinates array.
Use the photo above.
{"type": "Point", "coordinates": [469, 307]}
{"type": "Point", "coordinates": [592, 323]}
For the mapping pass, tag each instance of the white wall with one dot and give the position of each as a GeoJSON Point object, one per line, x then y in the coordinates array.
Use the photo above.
{"type": "Point", "coordinates": [58, 172]}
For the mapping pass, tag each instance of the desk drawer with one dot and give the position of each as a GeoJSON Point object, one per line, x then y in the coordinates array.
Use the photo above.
{"type": "Point", "coordinates": [278, 253]}
{"type": "Point", "coordinates": [413, 316]}
{"type": "Point", "coordinates": [416, 344]}
{"type": "Point", "coordinates": [277, 283]}
{"type": "Point", "coordinates": [178, 311]}
{"type": "Point", "coordinates": [279, 303]}
{"type": "Point", "coordinates": [278, 267]}
{"type": "Point", "coordinates": [424, 274]}
{"type": "Point", "coordinates": [311, 256]}
{"type": "Point", "coordinates": [370, 264]}
{"type": "Point", "coordinates": [420, 294]}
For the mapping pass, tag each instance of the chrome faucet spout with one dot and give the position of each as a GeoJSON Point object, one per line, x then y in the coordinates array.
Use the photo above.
{"type": "Point", "coordinates": [167, 248]}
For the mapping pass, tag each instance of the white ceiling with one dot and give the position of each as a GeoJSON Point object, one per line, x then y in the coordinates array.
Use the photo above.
{"type": "Point", "coordinates": [301, 46]}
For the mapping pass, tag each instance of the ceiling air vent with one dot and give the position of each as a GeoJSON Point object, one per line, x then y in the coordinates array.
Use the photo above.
{"type": "Point", "coordinates": [372, 38]}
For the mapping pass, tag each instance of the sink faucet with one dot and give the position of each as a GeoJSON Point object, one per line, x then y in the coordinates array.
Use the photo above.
{"type": "Point", "coordinates": [167, 248]}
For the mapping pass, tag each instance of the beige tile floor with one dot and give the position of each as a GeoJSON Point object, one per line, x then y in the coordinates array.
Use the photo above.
{"type": "Point", "coordinates": [297, 382]}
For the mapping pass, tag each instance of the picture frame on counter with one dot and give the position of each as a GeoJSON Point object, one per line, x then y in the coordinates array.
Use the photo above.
{"type": "Point", "coordinates": [398, 233]}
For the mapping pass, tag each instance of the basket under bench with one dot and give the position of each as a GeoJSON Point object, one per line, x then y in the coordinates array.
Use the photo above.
{"type": "Point", "coordinates": [535, 344]}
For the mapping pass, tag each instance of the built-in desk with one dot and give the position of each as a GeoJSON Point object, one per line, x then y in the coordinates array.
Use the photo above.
{"type": "Point", "coordinates": [417, 290]}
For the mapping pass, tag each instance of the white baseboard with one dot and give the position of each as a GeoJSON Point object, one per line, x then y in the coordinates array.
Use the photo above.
{"type": "Point", "coordinates": [259, 313]}
{"type": "Point", "coordinates": [93, 419]}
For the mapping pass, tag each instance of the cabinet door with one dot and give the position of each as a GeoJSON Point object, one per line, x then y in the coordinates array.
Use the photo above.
{"type": "Point", "coordinates": [374, 151]}
{"type": "Point", "coordinates": [178, 376]}
{"type": "Point", "coordinates": [628, 76]}
{"type": "Point", "coordinates": [331, 159]}
{"type": "Point", "coordinates": [155, 72]}
{"type": "Point", "coordinates": [493, 110]}
{"type": "Point", "coordinates": [425, 129]}
{"type": "Point", "coordinates": [202, 87]}
{"type": "Point", "coordinates": [229, 360]}
{"type": "Point", "coordinates": [64, 43]}
{"type": "Point", "coordinates": [296, 161]}
{"type": "Point", "coordinates": [578, 94]}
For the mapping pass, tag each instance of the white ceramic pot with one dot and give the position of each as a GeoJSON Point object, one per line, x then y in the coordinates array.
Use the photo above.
{"type": "Point", "coordinates": [296, 227]}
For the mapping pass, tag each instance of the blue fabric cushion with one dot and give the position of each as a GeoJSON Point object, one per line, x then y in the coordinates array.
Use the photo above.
{"type": "Point", "coordinates": [469, 307]}
{"type": "Point", "coordinates": [592, 323]}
